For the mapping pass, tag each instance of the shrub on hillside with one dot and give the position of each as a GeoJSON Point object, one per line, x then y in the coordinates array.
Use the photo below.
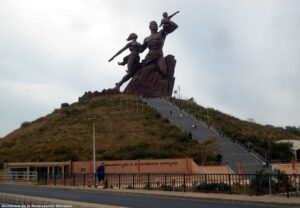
{"type": "Point", "coordinates": [219, 158]}
{"type": "Point", "coordinates": [281, 151]}
{"type": "Point", "coordinates": [294, 130]}
{"type": "Point", "coordinates": [25, 124]}
{"type": "Point", "coordinates": [64, 105]}
{"type": "Point", "coordinates": [183, 137]}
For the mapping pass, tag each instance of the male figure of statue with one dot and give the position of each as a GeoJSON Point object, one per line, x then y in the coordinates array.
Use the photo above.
{"type": "Point", "coordinates": [155, 43]}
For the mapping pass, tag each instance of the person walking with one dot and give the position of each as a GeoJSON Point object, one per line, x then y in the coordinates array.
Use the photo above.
{"type": "Point", "coordinates": [101, 174]}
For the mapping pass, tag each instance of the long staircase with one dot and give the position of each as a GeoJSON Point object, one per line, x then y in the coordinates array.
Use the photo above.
{"type": "Point", "coordinates": [232, 152]}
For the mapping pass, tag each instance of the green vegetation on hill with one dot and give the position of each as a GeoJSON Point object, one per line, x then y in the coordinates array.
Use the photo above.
{"type": "Point", "coordinates": [126, 128]}
{"type": "Point", "coordinates": [293, 130]}
{"type": "Point", "coordinates": [260, 138]}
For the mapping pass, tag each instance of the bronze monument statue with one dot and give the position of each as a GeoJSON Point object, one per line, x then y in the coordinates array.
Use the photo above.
{"type": "Point", "coordinates": [154, 76]}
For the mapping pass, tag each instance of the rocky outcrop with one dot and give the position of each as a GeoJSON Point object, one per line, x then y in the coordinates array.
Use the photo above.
{"type": "Point", "coordinates": [149, 82]}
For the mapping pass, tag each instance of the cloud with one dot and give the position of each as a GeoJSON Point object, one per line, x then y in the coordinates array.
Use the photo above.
{"type": "Point", "coordinates": [246, 58]}
{"type": "Point", "coordinates": [26, 101]}
{"type": "Point", "coordinates": [241, 57]}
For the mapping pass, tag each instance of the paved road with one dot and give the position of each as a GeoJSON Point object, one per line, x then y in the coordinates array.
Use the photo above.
{"type": "Point", "coordinates": [232, 153]}
{"type": "Point", "coordinates": [119, 199]}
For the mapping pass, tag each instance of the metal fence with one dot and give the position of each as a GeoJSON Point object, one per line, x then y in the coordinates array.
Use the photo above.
{"type": "Point", "coordinates": [250, 184]}
{"type": "Point", "coordinates": [19, 176]}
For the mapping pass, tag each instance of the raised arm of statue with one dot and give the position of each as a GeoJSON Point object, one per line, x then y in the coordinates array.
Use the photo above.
{"type": "Point", "coordinates": [173, 15]}
{"type": "Point", "coordinates": [119, 52]}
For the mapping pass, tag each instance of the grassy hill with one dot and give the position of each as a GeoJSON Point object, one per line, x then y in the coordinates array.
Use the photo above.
{"type": "Point", "coordinates": [126, 128]}
{"type": "Point", "coordinates": [260, 138]}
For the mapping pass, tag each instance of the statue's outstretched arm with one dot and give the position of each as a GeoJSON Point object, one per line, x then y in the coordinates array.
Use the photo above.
{"type": "Point", "coordinates": [119, 52]}
{"type": "Point", "coordinates": [173, 15]}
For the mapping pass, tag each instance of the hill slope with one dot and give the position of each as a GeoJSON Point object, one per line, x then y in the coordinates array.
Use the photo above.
{"type": "Point", "coordinates": [126, 128]}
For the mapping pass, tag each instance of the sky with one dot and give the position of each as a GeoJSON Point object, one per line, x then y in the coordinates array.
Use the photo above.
{"type": "Point", "coordinates": [240, 57]}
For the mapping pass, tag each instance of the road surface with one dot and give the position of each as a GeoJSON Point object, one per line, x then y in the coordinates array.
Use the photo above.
{"type": "Point", "coordinates": [122, 199]}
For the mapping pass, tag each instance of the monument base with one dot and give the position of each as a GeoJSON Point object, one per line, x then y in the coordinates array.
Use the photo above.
{"type": "Point", "coordinates": [89, 95]}
{"type": "Point", "coordinates": [149, 82]}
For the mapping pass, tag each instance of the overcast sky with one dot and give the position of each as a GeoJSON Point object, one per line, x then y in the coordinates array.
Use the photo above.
{"type": "Point", "coordinates": [240, 57]}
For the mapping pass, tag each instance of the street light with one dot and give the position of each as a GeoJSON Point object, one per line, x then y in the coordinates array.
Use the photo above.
{"type": "Point", "coordinates": [175, 92]}
{"type": "Point", "coordinates": [178, 91]}
{"type": "Point", "coordinates": [94, 149]}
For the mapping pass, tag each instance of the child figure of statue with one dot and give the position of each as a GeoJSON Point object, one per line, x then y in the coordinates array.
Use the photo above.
{"type": "Point", "coordinates": [132, 60]}
{"type": "Point", "coordinates": [165, 22]}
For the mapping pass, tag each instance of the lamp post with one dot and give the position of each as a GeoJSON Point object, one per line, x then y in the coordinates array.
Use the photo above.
{"type": "Point", "coordinates": [175, 93]}
{"type": "Point", "coordinates": [94, 150]}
